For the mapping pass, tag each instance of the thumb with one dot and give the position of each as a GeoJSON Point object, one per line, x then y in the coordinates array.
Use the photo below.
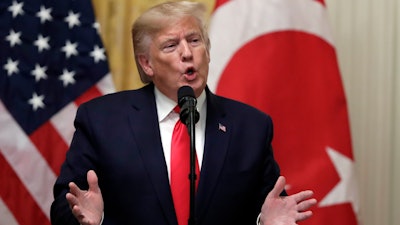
{"type": "Point", "coordinates": [279, 187]}
{"type": "Point", "coordinates": [93, 181]}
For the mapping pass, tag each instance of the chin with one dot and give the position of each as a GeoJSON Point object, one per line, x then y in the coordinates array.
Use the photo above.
{"type": "Point", "coordinates": [196, 85]}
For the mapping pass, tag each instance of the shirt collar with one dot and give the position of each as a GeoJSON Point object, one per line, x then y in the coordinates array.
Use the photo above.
{"type": "Point", "coordinates": [165, 105]}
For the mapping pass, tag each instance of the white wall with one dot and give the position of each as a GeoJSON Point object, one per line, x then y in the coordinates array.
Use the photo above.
{"type": "Point", "coordinates": [367, 37]}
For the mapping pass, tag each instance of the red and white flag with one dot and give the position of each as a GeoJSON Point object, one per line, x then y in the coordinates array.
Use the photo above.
{"type": "Point", "coordinates": [279, 56]}
{"type": "Point", "coordinates": [51, 60]}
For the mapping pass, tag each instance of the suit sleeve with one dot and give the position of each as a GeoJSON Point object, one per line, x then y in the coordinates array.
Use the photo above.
{"type": "Point", "coordinates": [80, 158]}
{"type": "Point", "coordinates": [272, 170]}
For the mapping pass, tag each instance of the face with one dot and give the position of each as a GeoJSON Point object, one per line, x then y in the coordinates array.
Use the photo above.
{"type": "Point", "coordinates": [177, 56]}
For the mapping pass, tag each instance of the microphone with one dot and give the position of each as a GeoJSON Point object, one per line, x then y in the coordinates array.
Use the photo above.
{"type": "Point", "coordinates": [187, 103]}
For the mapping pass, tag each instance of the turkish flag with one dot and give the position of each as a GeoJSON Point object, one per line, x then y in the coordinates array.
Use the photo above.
{"type": "Point", "coordinates": [279, 56]}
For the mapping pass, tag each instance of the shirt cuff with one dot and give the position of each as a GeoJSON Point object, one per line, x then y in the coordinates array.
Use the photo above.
{"type": "Point", "coordinates": [102, 218]}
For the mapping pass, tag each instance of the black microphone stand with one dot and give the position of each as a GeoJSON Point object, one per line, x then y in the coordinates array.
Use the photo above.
{"type": "Point", "coordinates": [189, 116]}
{"type": "Point", "coordinates": [192, 175]}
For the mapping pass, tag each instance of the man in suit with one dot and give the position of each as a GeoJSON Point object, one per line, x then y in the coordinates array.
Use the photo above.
{"type": "Point", "coordinates": [118, 168]}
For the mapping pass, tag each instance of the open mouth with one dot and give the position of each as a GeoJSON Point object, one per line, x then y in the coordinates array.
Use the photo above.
{"type": "Point", "coordinates": [189, 71]}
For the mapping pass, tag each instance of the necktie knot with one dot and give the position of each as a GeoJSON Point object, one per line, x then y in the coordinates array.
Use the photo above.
{"type": "Point", "coordinates": [177, 109]}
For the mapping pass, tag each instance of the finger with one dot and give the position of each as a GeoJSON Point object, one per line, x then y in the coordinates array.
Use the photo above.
{"type": "Point", "coordinates": [74, 189]}
{"type": "Point", "coordinates": [93, 181]}
{"type": "Point", "coordinates": [77, 213]}
{"type": "Point", "coordinates": [279, 187]}
{"type": "Point", "coordinates": [301, 196]}
{"type": "Point", "coordinates": [303, 215]}
{"type": "Point", "coordinates": [305, 205]}
{"type": "Point", "coordinates": [72, 200]}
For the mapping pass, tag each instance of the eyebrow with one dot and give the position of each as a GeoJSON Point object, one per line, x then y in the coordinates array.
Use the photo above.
{"type": "Point", "coordinates": [173, 37]}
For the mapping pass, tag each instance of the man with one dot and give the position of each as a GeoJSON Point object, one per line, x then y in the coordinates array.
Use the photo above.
{"type": "Point", "coordinates": [119, 167]}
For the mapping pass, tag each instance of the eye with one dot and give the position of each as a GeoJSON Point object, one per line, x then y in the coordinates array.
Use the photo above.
{"type": "Point", "coordinates": [168, 47]}
{"type": "Point", "coordinates": [195, 41]}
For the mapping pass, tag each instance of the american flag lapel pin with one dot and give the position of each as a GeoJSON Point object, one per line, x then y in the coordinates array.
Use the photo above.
{"type": "Point", "coordinates": [221, 127]}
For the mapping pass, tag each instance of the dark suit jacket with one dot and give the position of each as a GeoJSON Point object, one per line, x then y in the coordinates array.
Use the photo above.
{"type": "Point", "coordinates": [118, 136]}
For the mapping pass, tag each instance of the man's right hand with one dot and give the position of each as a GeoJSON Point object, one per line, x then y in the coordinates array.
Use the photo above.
{"type": "Point", "coordinates": [86, 205]}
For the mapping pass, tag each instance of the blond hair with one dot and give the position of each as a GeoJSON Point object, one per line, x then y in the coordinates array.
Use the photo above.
{"type": "Point", "coordinates": [158, 17]}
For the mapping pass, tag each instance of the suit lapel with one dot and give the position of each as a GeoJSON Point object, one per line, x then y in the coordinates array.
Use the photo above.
{"type": "Point", "coordinates": [145, 128]}
{"type": "Point", "coordinates": [144, 124]}
{"type": "Point", "coordinates": [215, 150]}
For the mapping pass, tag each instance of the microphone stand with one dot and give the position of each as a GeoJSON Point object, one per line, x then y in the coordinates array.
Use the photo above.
{"type": "Point", "coordinates": [189, 116]}
{"type": "Point", "coordinates": [192, 175]}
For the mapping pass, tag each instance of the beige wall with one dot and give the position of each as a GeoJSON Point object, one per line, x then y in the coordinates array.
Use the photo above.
{"type": "Point", "coordinates": [367, 36]}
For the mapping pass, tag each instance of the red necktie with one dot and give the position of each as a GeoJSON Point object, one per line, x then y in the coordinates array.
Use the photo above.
{"type": "Point", "coordinates": [180, 169]}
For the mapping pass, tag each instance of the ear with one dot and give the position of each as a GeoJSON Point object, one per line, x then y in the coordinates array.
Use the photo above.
{"type": "Point", "coordinates": [207, 54]}
{"type": "Point", "coordinates": [145, 64]}
{"type": "Point", "coordinates": [208, 46]}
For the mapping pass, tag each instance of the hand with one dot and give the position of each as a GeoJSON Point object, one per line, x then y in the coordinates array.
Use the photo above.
{"type": "Point", "coordinates": [87, 206]}
{"type": "Point", "coordinates": [286, 210]}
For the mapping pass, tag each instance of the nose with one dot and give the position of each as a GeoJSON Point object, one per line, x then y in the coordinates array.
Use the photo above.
{"type": "Point", "coordinates": [186, 51]}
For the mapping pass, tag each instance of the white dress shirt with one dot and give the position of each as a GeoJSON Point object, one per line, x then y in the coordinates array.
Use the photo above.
{"type": "Point", "coordinates": [167, 119]}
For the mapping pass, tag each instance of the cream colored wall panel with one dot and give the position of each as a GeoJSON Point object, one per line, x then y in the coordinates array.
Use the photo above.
{"type": "Point", "coordinates": [395, 206]}
{"type": "Point", "coordinates": [365, 34]}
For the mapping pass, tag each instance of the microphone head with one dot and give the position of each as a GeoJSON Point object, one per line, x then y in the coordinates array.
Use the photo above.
{"type": "Point", "coordinates": [187, 103]}
{"type": "Point", "coordinates": [184, 92]}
